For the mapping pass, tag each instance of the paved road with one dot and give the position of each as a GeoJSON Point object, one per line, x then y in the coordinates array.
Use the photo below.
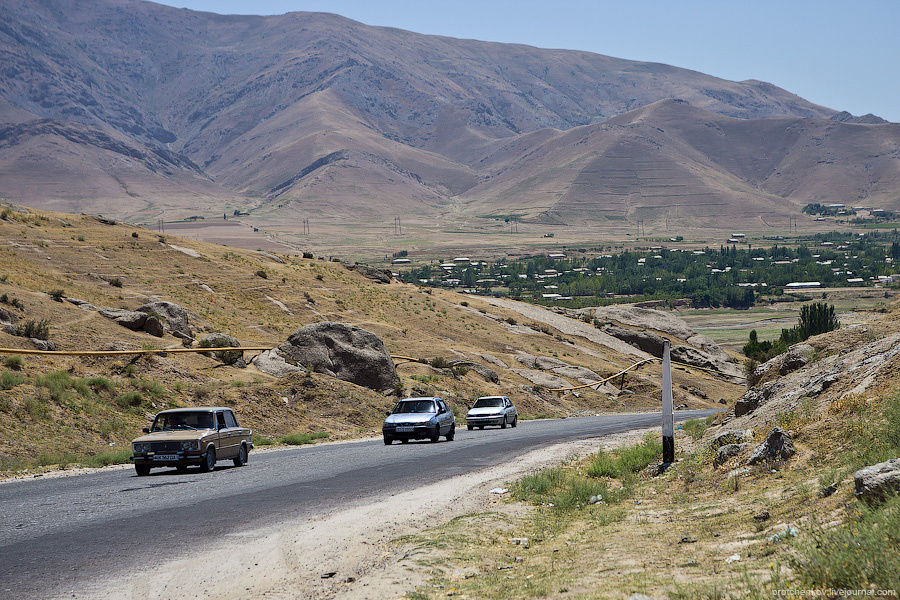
{"type": "Point", "coordinates": [59, 533]}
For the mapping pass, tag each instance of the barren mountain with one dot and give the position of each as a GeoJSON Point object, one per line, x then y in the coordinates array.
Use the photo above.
{"type": "Point", "coordinates": [139, 109]}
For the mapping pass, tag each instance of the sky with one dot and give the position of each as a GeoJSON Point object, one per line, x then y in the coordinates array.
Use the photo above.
{"type": "Point", "coordinates": [844, 55]}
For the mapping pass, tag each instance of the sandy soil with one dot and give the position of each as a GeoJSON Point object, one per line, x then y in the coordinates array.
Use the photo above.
{"type": "Point", "coordinates": [349, 554]}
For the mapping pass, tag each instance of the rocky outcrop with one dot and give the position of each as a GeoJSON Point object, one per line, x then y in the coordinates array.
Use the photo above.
{"type": "Point", "coordinates": [649, 342]}
{"type": "Point", "coordinates": [273, 363]}
{"type": "Point", "coordinates": [777, 445]}
{"type": "Point", "coordinates": [7, 317]}
{"type": "Point", "coordinates": [174, 318]}
{"type": "Point", "coordinates": [338, 350]}
{"type": "Point", "coordinates": [837, 376]}
{"type": "Point", "coordinates": [376, 275]}
{"type": "Point", "coordinates": [730, 437]}
{"type": "Point", "coordinates": [486, 372]}
{"type": "Point", "coordinates": [874, 483]}
{"type": "Point", "coordinates": [542, 379]}
{"type": "Point", "coordinates": [635, 316]}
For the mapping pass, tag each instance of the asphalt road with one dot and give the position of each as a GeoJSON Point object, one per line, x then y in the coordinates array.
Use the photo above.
{"type": "Point", "coordinates": [57, 534]}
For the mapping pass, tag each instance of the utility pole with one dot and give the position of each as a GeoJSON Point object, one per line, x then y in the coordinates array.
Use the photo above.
{"type": "Point", "coordinates": [305, 227]}
{"type": "Point", "coordinates": [668, 411]}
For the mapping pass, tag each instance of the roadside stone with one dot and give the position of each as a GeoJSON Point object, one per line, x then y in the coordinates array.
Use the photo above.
{"type": "Point", "coordinates": [777, 445]}
{"type": "Point", "coordinates": [726, 452]}
{"type": "Point", "coordinates": [342, 351]}
{"type": "Point", "coordinates": [828, 490]}
{"type": "Point", "coordinates": [273, 363]}
{"type": "Point", "coordinates": [874, 483]}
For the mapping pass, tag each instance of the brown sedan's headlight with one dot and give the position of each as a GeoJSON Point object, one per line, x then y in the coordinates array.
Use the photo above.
{"type": "Point", "coordinates": [141, 447]}
{"type": "Point", "coordinates": [190, 445]}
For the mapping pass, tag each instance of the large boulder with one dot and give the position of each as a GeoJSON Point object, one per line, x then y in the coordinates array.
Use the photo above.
{"type": "Point", "coordinates": [222, 340]}
{"type": "Point", "coordinates": [343, 351]}
{"type": "Point", "coordinates": [727, 452]}
{"type": "Point", "coordinates": [796, 357]}
{"type": "Point", "coordinates": [777, 445]}
{"type": "Point", "coordinates": [174, 317]}
{"type": "Point", "coordinates": [874, 483]}
{"type": "Point", "coordinates": [131, 319]}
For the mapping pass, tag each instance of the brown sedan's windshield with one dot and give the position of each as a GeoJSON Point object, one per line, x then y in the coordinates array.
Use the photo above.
{"type": "Point", "coordinates": [183, 420]}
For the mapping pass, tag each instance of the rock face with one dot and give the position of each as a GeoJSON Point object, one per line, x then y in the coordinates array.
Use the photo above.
{"type": "Point", "coordinates": [777, 445]}
{"type": "Point", "coordinates": [795, 358]}
{"type": "Point", "coordinates": [174, 317]}
{"type": "Point", "coordinates": [730, 437]}
{"type": "Point", "coordinates": [376, 275]}
{"type": "Point", "coordinates": [343, 351]}
{"type": "Point", "coordinates": [222, 340]}
{"type": "Point", "coordinates": [7, 317]}
{"type": "Point", "coordinates": [651, 343]}
{"type": "Point", "coordinates": [876, 482]}
{"type": "Point", "coordinates": [636, 316]}
{"type": "Point", "coordinates": [273, 363]}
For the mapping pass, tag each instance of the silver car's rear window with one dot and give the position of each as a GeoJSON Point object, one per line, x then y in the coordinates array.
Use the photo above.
{"type": "Point", "coordinates": [414, 406]}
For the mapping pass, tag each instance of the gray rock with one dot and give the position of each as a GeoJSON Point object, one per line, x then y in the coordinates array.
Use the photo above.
{"type": "Point", "coordinates": [874, 483]}
{"type": "Point", "coordinates": [174, 317]}
{"type": "Point", "coordinates": [10, 329]}
{"type": "Point", "coordinates": [343, 351]}
{"type": "Point", "coordinates": [126, 318]}
{"type": "Point", "coordinates": [273, 363]}
{"type": "Point", "coordinates": [82, 304]}
{"type": "Point", "coordinates": [154, 327]}
{"type": "Point", "coordinates": [777, 445]}
{"type": "Point", "coordinates": [486, 372]}
{"type": "Point", "coordinates": [7, 317]}
{"type": "Point", "coordinates": [542, 379]}
{"type": "Point", "coordinates": [726, 452]}
{"type": "Point", "coordinates": [795, 358]}
{"type": "Point", "coordinates": [639, 597]}
{"type": "Point", "coordinates": [762, 516]}
{"type": "Point", "coordinates": [42, 344]}
{"type": "Point", "coordinates": [543, 363]}
{"type": "Point", "coordinates": [376, 275]}
{"type": "Point", "coordinates": [222, 340]}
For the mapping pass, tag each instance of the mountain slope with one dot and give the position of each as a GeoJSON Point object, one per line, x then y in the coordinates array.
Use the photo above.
{"type": "Point", "coordinates": [316, 114]}
{"type": "Point", "coordinates": [673, 158]}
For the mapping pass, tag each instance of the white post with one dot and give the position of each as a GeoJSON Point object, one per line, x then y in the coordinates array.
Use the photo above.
{"type": "Point", "coordinates": [668, 410]}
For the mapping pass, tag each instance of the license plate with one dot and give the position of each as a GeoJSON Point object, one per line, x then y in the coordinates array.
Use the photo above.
{"type": "Point", "coordinates": [405, 429]}
{"type": "Point", "coordinates": [165, 457]}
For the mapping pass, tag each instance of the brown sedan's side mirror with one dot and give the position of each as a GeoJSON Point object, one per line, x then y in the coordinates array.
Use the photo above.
{"type": "Point", "coordinates": [387, 414]}
{"type": "Point", "coordinates": [146, 430]}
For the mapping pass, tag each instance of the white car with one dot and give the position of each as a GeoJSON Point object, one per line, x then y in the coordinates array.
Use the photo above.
{"type": "Point", "coordinates": [492, 410]}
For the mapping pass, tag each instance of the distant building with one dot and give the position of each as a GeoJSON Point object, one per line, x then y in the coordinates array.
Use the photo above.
{"type": "Point", "coordinates": [803, 285]}
{"type": "Point", "coordinates": [401, 261]}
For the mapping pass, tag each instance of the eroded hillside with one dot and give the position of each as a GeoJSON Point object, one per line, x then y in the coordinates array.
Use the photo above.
{"type": "Point", "coordinates": [64, 270]}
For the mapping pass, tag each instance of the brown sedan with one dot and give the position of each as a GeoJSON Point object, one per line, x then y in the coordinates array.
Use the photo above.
{"type": "Point", "coordinates": [192, 436]}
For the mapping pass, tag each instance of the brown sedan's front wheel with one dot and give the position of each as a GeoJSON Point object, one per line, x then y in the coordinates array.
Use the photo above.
{"type": "Point", "coordinates": [142, 470]}
{"type": "Point", "coordinates": [241, 459]}
{"type": "Point", "coordinates": [209, 460]}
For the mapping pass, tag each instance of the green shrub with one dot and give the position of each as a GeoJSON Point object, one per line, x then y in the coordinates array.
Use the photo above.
{"type": "Point", "coordinates": [697, 427]}
{"type": "Point", "coordinates": [56, 383]}
{"type": "Point", "coordinates": [152, 388]}
{"type": "Point", "coordinates": [14, 362]}
{"type": "Point", "coordinates": [30, 329]}
{"type": "Point", "coordinates": [261, 273]}
{"type": "Point", "coordinates": [259, 440]}
{"type": "Point", "coordinates": [625, 461]}
{"type": "Point", "coordinates": [440, 362]}
{"type": "Point", "coordinates": [862, 553]}
{"type": "Point", "coordinates": [57, 295]}
{"type": "Point", "coordinates": [102, 459]}
{"type": "Point", "coordinates": [100, 383]}
{"type": "Point", "coordinates": [11, 301]}
{"type": "Point", "coordinates": [307, 255]}
{"type": "Point", "coordinates": [536, 487]}
{"type": "Point", "coordinates": [9, 380]}
{"type": "Point", "coordinates": [115, 282]}
{"type": "Point", "coordinates": [299, 439]}
{"type": "Point", "coordinates": [129, 399]}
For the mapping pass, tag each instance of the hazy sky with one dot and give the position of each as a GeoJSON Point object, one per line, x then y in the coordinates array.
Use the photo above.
{"type": "Point", "coordinates": [844, 55]}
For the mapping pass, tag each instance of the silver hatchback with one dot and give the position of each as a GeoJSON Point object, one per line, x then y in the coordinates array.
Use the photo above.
{"type": "Point", "coordinates": [492, 410]}
{"type": "Point", "coordinates": [419, 418]}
